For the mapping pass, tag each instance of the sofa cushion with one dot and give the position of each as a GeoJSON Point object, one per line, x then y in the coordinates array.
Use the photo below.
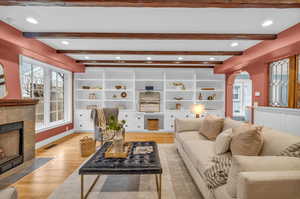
{"type": "Point", "coordinates": [258, 163]}
{"type": "Point", "coordinates": [200, 153]}
{"type": "Point", "coordinates": [187, 124]}
{"type": "Point", "coordinates": [211, 127]}
{"type": "Point", "coordinates": [189, 136]}
{"type": "Point", "coordinates": [276, 141]}
{"type": "Point", "coordinates": [246, 140]}
{"type": "Point", "coordinates": [223, 140]}
{"type": "Point", "coordinates": [229, 123]}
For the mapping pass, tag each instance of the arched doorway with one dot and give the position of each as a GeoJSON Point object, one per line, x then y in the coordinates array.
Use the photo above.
{"type": "Point", "coordinates": [241, 97]}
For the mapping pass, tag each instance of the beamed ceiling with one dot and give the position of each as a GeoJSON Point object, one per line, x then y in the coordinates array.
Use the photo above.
{"type": "Point", "coordinates": [180, 33]}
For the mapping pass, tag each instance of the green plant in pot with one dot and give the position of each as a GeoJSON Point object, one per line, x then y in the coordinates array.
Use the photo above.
{"type": "Point", "coordinates": [117, 128]}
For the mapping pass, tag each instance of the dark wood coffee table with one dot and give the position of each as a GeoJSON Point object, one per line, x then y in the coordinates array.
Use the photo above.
{"type": "Point", "coordinates": [134, 164]}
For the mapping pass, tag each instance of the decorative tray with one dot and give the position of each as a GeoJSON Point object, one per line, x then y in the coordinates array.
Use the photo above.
{"type": "Point", "coordinates": [111, 154]}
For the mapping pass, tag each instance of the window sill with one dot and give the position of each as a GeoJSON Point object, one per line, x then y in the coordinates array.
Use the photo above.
{"type": "Point", "coordinates": [53, 125]}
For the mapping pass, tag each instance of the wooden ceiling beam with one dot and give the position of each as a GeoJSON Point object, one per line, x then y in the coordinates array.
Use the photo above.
{"type": "Point", "coordinates": [158, 3]}
{"type": "Point", "coordinates": [154, 36]}
{"type": "Point", "coordinates": [145, 62]}
{"type": "Point", "coordinates": [148, 66]}
{"type": "Point", "coordinates": [128, 52]}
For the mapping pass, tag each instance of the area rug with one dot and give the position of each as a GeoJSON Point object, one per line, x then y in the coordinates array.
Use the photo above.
{"type": "Point", "coordinates": [176, 182]}
{"type": "Point", "coordinates": [37, 163]}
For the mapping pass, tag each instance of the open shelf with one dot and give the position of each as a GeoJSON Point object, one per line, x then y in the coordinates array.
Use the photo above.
{"type": "Point", "coordinates": [134, 81]}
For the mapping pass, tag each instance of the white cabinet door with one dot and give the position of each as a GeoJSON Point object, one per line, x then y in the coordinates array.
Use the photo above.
{"type": "Point", "coordinates": [134, 120]}
{"type": "Point", "coordinates": [172, 115]}
{"type": "Point", "coordinates": [83, 121]}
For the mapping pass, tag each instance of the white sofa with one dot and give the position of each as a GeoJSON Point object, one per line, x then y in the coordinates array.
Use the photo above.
{"type": "Point", "coordinates": [8, 193]}
{"type": "Point", "coordinates": [196, 151]}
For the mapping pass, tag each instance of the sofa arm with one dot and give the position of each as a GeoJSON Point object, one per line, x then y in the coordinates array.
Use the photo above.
{"type": "Point", "coordinates": [269, 184]}
{"type": "Point", "coordinates": [187, 125]}
{"type": "Point", "coordinates": [8, 193]}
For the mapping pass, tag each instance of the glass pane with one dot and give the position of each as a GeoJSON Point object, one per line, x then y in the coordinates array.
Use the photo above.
{"type": "Point", "coordinates": [26, 79]}
{"type": "Point", "coordinates": [57, 96]}
{"type": "Point", "coordinates": [278, 83]}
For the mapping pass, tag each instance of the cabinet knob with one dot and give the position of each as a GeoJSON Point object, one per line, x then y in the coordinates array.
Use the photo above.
{"type": "Point", "coordinates": [172, 116]}
{"type": "Point", "coordinates": [187, 116]}
{"type": "Point", "coordinates": [80, 125]}
{"type": "Point", "coordinates": [126, 115]}
{"type": "Point", "coordinates": [138, 118]}
{"type": "Point", "coordinates": [80, 115]}
{"type": "Point", "coordinates": [172, 126]}
{"type": "Point", "coordinates": [126, 125]}
{"type": "Point", "coordinates": [139, 126]}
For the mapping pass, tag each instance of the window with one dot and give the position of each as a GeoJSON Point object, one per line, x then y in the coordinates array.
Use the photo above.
{"type": "Point", "coordinates": [33, 87]}
{"type": "Point", "coordinates": [284, 83]}
{"type": "Point", "coordinates": [278, 83]}
{"type": "Point", "coordinates": [57, 96]}
{"type": "Point", "coordinates": [51, 86]}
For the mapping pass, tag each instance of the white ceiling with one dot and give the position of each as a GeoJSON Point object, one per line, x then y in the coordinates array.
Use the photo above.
{"type": "Point", "coordinates": [160, 20]}
{"type": "Point", "coordinates": [144, 57]}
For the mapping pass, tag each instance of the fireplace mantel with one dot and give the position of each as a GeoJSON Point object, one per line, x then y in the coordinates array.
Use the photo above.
{"type": "Point", "coordinates": [18, 102]}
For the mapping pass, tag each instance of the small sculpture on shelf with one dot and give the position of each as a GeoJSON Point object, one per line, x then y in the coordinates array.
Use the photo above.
{"type": "Point", "coordinates": [212, 97]}
{"type": "Point", "coordinates": [123, 94]}
{"type": "Point", "coordinates": [178, 98]}
{"type": "Point", "coordinates": [118, 87]}
{"type": "Point", "coordinates": [92, 96]}
{"type": "Point", "coordinates": [178, 106]}
{"type": "Point", "coordinates": [179, 85]}
{"type": "Point", "coordinates": [200, 97]}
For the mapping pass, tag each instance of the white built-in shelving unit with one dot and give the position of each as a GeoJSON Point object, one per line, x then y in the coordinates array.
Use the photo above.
{"type": "Point", "coordinates": [102, 82]}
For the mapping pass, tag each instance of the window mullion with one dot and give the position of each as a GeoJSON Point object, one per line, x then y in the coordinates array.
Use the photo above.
{"type": "Point", "coordinates": [47, 97]}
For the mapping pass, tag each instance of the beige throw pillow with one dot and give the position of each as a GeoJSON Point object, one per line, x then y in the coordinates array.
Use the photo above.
{"type": "Point", "coordinates": [211, 127]}
{"type": "Point", "coordinates": [223, 140]}
{"type": "Point", "coordinates": [246, 140]}
{"type": "Point", "coordinates": [257, 163]}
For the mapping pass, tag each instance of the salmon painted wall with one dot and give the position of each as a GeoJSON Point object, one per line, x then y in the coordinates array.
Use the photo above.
{"type": "Point", "coordinates": [255, 61]}
{"type": "Point", "coordinates": [12, 45]}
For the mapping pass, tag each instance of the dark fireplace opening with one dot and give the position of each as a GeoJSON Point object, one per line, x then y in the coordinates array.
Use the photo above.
{"type": "Point", "coordinates": [11, 146]}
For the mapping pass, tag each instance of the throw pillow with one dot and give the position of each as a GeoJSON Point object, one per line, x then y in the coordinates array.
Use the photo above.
{"type": "Point", "coordinates": [291, 151]}
{"type": "Point", "coordinates": [223, 140]}
{"type": "Point", "coordinates": [257, 163]}
{"type": "Point", "coordinates": [211, 127]}
{"type": "Point", "coordinates": [246, 140]}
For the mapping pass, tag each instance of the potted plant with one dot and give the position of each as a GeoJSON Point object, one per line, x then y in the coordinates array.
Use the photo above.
{"type": "Point", "coordinates": [117, 128]}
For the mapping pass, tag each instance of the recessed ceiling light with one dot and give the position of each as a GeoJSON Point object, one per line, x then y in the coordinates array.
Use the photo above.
{"type": "Point", "coordinates": [148, 58]}
{"type": "Point", "coordinates": [118, 57]}
{"type": "Point", "coordinates": [234, 44]}
{"type": "Point", "coordinates": [65, 42]}
{"type": "Point", "coordinates": [86, 57]}
{"type": "Point", "coordinates": [32, 20]}
{"type": "Point", "coordinates": [212, 58]}
{"type": "Point", "coordinates": [180, 58]}
{"type": "Point", "coordinates": [267, 23]}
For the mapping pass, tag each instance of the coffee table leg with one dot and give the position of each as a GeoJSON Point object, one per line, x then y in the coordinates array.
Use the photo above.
{"type": "Point", "coordinates": [82, 187]}
{"type": "Point", "coordinates": [158, 184]}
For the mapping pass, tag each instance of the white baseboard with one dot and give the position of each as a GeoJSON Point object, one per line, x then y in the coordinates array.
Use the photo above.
{"type": "Point", "coordinates": [52, 139]}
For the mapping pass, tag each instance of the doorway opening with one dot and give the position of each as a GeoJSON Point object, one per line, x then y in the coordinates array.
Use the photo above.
{"type": "Point", "coordinates": [242, 97]}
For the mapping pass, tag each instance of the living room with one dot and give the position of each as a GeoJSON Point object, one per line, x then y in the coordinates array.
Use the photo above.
{"type": "Point", "coordinates": [149, 99]}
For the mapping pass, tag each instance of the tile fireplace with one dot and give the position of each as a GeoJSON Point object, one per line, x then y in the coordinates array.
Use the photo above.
{"type": "Point", "coordinates": [17, 135]}
{"type": "Point", "coordinates": [11, 145]}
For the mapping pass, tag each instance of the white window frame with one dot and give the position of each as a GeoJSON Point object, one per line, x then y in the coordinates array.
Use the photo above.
{"type": "Point", "coordinates": [68, 85]}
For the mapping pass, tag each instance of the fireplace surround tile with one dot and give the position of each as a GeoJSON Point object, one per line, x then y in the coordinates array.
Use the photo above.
{"type": "Point", "coordinates": [17, 113]}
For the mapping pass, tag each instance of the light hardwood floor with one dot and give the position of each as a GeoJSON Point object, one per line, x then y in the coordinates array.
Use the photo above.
{"type": "Point", "coordinates": [66, 158]}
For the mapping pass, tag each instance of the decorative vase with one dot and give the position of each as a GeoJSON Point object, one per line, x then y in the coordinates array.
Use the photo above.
{"type": "Point", "coordinates": [118, 142]}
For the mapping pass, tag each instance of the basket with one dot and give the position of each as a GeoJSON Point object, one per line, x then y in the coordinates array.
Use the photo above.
{"type": "Point", "coordinates": [87, 146]}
